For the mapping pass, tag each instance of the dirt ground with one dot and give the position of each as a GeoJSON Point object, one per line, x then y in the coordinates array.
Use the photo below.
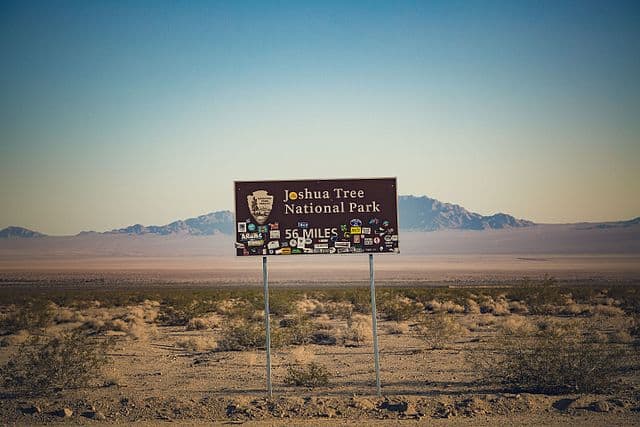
{"type": "Point", "coordinates": [161, 371]}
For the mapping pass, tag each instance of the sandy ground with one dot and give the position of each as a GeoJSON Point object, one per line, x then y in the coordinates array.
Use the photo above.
{"type": "Point", "coordinates": [159, 381]}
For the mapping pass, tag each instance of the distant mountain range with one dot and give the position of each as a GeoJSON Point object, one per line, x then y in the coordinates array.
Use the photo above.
{"type": "Point", "coordinates": [427, 214]}
{"type": "Point", "coordinates": [204, 225]}
{"type": "Point", "coordinates": [416, 214]}
{"type": "Point", "coordinates": [19, 232]}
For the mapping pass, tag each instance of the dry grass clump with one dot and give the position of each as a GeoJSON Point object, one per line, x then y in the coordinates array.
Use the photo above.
{"type": "Point", "coordinates": [46, 364]}
{"type": "Point", "coordinates": [439, 329]}
{"type": "Point", "coordinates": [132, 323]}
{"type": "Point", "coordinates": [202, 323]}
{"type": "Point", "coordinates": [497, 307]}
{"type": "Point", "coordinates": [310, 375]}
{"type": "Point", "coordinates": [397, 328]}
{"type": "Point", "coordinates": [309, 306]}
{"type": "Point", "coordinates": [471, 306]}
{"type": "Point", "coordinates": [65, 315]}
{"type": "Point", "coordinates": [197, 343]}
{"type": "Point", "coordinates": [517, 325]}
{"type": "Point", "coordinates": [236, 308]}
{"type": "Point", "coordinates": [358, 331]}
{"type": "Point", "coordinates": [436, 306]}
{"type": "Point", "coordinates": [518, 307]}
{"type": "Point", "coordinates": [615, 330]}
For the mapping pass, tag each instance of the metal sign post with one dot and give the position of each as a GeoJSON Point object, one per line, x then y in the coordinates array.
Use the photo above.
{"type": "Point", "coordinates": [374, 321]}
{"type": "Point", "coordinates": [267, 323]}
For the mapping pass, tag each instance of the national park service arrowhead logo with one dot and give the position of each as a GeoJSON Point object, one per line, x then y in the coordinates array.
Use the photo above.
{"type": "Point", "coordinates": [260, 205]}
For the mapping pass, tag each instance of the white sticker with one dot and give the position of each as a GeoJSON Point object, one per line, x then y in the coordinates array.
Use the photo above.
{"type": "Point", "coordinates": [274, 244]}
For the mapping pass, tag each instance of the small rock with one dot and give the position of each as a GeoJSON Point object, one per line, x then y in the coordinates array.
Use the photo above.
{"type": "Point", "coordinates": [97, 415]}
{"type": "Point", "coordinates": [33, 409]}
{"type": "Point", "coordinates": [65, 412]}
{"type": "Point", "coordinates": [400, 406]}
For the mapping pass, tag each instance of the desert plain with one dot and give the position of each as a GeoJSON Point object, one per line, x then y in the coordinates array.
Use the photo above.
{"type": "Point", "coordinates": [538, 326]}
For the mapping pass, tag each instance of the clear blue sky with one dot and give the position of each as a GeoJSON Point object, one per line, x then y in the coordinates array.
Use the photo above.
{"type": "Point", "coordinates": [114, 113]}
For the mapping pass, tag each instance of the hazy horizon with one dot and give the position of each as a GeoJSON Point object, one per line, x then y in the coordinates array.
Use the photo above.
{"type": "Point", "coordinates": [145, 112]}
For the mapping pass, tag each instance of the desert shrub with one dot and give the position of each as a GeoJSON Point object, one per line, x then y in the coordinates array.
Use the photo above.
{"type": "Point", "coordinates": [358, 331]}
{"type": "Point", "coordinates": [117, 325]}
{"type": "Point", "coordinates": [360, 299]}
{"type": "Point", "coordinates": [471, 306]}
{"type": "Point", "coordinates": [555, 359]}
{"type": "Point", "coordinates": [310, 375]}
{"type": "Point", "coordinates": [242, 335]}
{"type": "Point", "coordinates": [237, 308]}
{"type": "Point", "coordinates": [497, 307]}
{"type": "Point", "coordinates": [518, 307]}
{"type": "Point", "coordinates": [197, 324]}
{"type": "Point", "coordinates": [400, 308]}
{"type": "Point", "coordinates": [32, 315]}
{"type": "Point", "coordinates": [339, 309]}
{"type": "Point", "coordinates": [202, 323]}
{"type": "Point", "coordinates": [606, 310]}
{"type": "Point", "coordinates": [397, 328]}
{"type": "Point", "coordinates": [48, 364]}
{"type": "Point", "coordinates": [445, 307]}
{"type": "Point", "coordinates": [297, 330]}
{"type": "Point", "coordinates": [280, 304]}
{"type": "Point", "coordinates": [65, 315]}
{"type": "Point", "coordinates": [197, 343]}
{"type": "Point", "coordinates": [309, 306]}
{"type": "Point", "coordinates": [517, 325]}
{"type": "Point", "coordinates": [438, 329]}
{"type": "Point", "coordinates": [171, 316]}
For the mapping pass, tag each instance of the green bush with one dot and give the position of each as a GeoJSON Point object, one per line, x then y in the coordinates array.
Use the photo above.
{"type": "Point", "coordinates": [439, 329]}
{"type": "Point", "coordinates": [556, 360]}
{"type": "Point", "coordinates": [242, 336]}
{"type": "Point", "coordinates": [309, 375]}
{"type": "Point", "coordinates": [44, 365]}
{"type": "Point", "coordinates": [399, 308]}
{"type": "Point", "coordinates": [33, 314]}
{"type": "Point", "coordinates": [297, 330]}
